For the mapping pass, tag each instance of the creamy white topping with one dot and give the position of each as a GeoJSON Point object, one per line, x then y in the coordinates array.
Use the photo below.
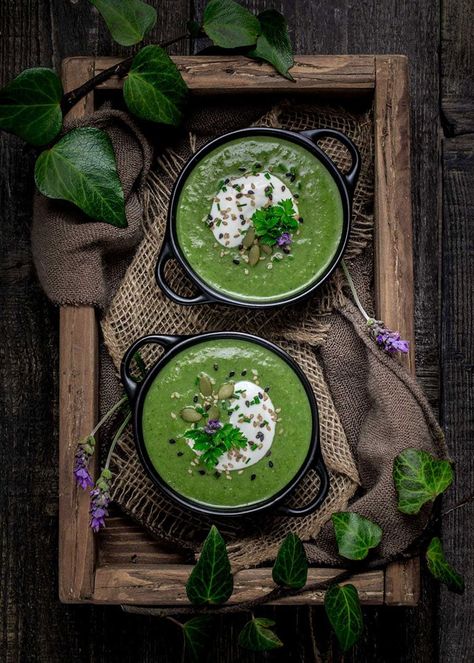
{"type": "Point", "coordinates": [234, 205]}
{"type": "Point", "coordinates": [255, 416]}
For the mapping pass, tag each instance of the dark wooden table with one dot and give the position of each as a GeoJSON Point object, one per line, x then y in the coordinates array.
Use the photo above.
{"type": "Point", "coordinates": [438, 37]}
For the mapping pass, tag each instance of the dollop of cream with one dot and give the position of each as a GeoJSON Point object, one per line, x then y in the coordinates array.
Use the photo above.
{"type": "Point", "coordinates": [238, 199]}
{"type": "Point", "coordinates": [254, 414]}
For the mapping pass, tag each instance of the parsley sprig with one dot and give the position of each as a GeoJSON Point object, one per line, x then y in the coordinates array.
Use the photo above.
{"type": "Point", "coordinates": [271, 222]}
{"type": "Point", "coordinates": [214, 445]}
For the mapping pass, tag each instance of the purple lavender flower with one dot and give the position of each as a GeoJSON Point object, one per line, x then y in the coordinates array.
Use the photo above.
{"type": "Point", "coordinates": [212, 426]}
{"type": "Point", "coordinates": [284, 239]}
{"type": "Point", "coordinates": [100, 500]}
{"type": "Point", "coordinates": [388, 340]}
{"type": "Point", "coordinates": [81, 472]}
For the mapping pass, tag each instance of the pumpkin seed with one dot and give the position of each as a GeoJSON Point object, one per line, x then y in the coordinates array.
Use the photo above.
{"type": "Point", "coordinates": [190, 414]}
{"type": "Point", "coordinates": [249, 238]}
{"type": "Point", "coordinates": [205, 385]}
{"type": "Point", "coordinates": [225, 391]}
{"type": "Point", "coordinates": [267, 249]}
{"type": "Point", "coordinates": [254, 255]}
{"type": "Point", "coordinates": [213, 412]}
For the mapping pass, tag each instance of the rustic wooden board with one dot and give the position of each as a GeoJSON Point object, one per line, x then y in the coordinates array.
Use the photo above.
{"type": "Point", "coordinates": [99, 570]}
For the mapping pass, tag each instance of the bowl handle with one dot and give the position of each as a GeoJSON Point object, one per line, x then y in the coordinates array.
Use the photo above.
{"type": "Point", "coordinates": [165, 255]}
{"type": "Point", "coordinates": [132, 386]}
{"type": "Point", "coordinates": [322, 472]}
{"type": "Point", "coordinates": [315, 135]}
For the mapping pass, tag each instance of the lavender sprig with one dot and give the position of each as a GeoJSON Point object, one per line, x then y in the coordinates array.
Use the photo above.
{"type": "Point", "coordinates": [100, 495]}
{"type": "Point", "coordinates": [100, 500]}
{"type": "Point", "coordinates": [285, 239]}
{"type": "Point", "coordinates": [84, 452]}
{"type": "Point", "coordinates": [386, 339]}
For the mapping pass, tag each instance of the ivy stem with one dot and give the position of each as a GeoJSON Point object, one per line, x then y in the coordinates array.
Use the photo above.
{"type": "Point", "coordinates": [108, 414]}
{"type": "Point", "coordinates": [120, 69]}
{"type": "Point", "coordinates": [175, 621]}
{"type": "Point", "coordinates": [354, 291]}
{"type": "Point", "coordinates": [117, 435]}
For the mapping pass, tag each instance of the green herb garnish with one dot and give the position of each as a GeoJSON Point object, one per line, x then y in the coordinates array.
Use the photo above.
{"type": "Point", "coordinates": [271, 222]}
{"type": "Point", "coordinates": [214, 445]}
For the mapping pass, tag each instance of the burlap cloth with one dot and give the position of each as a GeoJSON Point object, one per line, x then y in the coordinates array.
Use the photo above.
{"type": "Point", "coordinates": [370, 408]}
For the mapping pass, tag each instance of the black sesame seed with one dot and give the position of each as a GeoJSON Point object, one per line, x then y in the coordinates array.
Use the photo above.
{"type": "Point", "coordinates": [236, 261]}
{"type": "Point", "coordinates": [202, 472]}
{"type": "Point", "coordinates": [253, 477]}
{"type": "Point", "coordinates": [221, 235]}
{"type": "Point", "coordinates": [295, 195]}
{"type": "Point", "coordinates": [216, 367]}
{"type": "Point", "coordinates": [172, 441]}
{"type": "Point", "coordinates": [231, 374]}
{"type": "Point", "coordinates": [283, 187]}
{"type": "Point", "coordinates": [288, 175]}
{"type": "Point", "coordinates": [180, 453]}
{"type": "Point", "coordinates": [268, 454]}
{"type": "Point", "coordinates": [286, 250]}
{"type": "Point", "coordinates": [209, 216]}
{"type": "Point", "coordinates": [217, 475]}
{"type": "Point", "coordinates": [247, 403]}
{"type": "Point", "coordinates": [244, 373]}
{"type": "Point", "coordinates": [242, 169]}
{"type": "Point", "coordinates": [195, 399]}
{"type": "Point", "coordinates": [251, 192]}
{"type": "Point", "coordinates": [258, 165]}
{"type": "Point", "coordinates": [239, 195]}
{"type": "Point", "coordinates": [266, 390]}
{"type": "Point", "coordinates": [260, 395]}
{"type": "Point", "coordinates": [301, 220]}
{"type": "Point", "coordinates": [270, 463]}
{"type": "Point", "coordinates": [226, 181]}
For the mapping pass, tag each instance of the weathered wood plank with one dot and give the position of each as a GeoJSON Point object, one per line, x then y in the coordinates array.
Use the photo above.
{"type": "Point", "coordinates": [78, 406]}
{"type": "Point", "coordinates": [234, 74]}
{"type": "Point", "coordinates": [393, 224]}
{"type": "Point", "coordinates": [457, 635]}
{"type": "Point", "coordinates": [149, 585]}
{"type": "Point", "coordinates": [457, 57]}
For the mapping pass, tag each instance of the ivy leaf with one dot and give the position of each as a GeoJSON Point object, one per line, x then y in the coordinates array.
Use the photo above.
{"type": "Point", "coordinates": [127, 20]}
{"type": "Point", "coordinates": [154, 89]}
{"type": "Point", "coordinates": [258, 636]}
{"type": "Point", "coordinates": [342, 607]}
{"type": "Point", "coordinates": [291, 565]}
{"type": "Point", "coordinates": [273, 43]}
{"type": "Point", "coordinates": [81, 168]}
{"type": "Point", "coordinates": [355, 535]}
{"type": "Point", "coordinates": [30, 106]}
{"type": "Point", "coordinates": [197, 634]}
{"type": "Point", "coordinates": [229, 24]}
{"type": "Point", "coordinates": [211, 580]}
{"type": "Point", "coordinates": [441, 569]}
{"type": "Point", "coordinates": [419, 478]}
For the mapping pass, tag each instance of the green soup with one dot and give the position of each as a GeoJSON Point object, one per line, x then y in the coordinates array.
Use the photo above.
{"type": "Point", "coordinates": [277, 428]}
{"type": "Point", "coordinates": [302, 178]}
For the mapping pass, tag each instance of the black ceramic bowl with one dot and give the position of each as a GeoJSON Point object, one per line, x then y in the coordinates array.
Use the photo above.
{"type": "Point", "coordinates": [137, 392]}
{"type": "Point", "coordinates": [307, 139]}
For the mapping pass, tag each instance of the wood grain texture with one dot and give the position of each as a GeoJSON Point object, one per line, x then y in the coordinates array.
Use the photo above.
{"type": "Point", "coordinates": [457, 70]}
{"type": "Point", "coordinates": [78, 407]}
{"type": "Point", "coordinates": [165, 585]}
{"type": "Point", "coordinates": [231, 74]}
{"type": "Point", "coordinates": [457, 638]}
{"type": "Point", "coordinates": [393, 245]}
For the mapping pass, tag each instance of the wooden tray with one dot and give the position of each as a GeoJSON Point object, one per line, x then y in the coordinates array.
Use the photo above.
{"type": "Point", "coordinates": [123, 564]}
